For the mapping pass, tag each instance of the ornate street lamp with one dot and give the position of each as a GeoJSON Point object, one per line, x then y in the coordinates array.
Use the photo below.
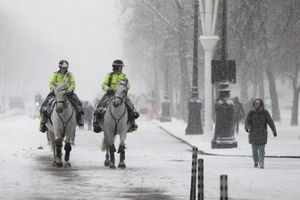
{"type": "Point", "coordinates": [224, 73]}
{"type": "Point", "coordinates": [194, 106]}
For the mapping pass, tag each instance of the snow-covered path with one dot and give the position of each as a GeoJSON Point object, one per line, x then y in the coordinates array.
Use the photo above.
{"type": "Point", "coordinates": [158, 166]}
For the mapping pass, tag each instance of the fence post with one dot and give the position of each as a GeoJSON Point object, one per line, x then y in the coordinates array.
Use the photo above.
{"type": "Point", "coordinates": [224, 187]}
{"type": "Point", "coordinates": [200, 180]}
{"type": "Point", "coordinates": [194, 172]}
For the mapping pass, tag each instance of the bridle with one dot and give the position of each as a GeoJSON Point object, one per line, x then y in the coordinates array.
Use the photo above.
{"type": "Point", "coordinates": [120, 98]}
{"type": "Point", "coordinates": [64, 102]}
{"type": "Point", "coordinates": [65, 105]}
{"type": "Point", "coordinates": [117, 120]}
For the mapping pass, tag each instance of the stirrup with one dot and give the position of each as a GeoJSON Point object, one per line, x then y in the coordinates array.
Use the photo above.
{"type": "Point", "coordinates": [136, 115]}
{"type": "Point", "coordinates": [80, 123]}
{"type": "Point", "coordinates": [133, 127]}
{"type": "Point", "coordinates": [97, 129]}
{"type": "Point", "coordinates": [43, 128]}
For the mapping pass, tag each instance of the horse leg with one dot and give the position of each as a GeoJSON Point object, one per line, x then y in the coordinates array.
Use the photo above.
{"type": "Point", "coordinates": [121, 151]}
{"type": "Point", "coordinates": [112, 151]}
{"type": "Point", "coordinates": [107, 162]}
{"type": "Point", "coordinates": [68, 149]}
{"type": "Point", "coordinates": [105, 147]}
{"type": "Point", "coordinates": [53, 145]}
{"type": "Point", "coordinates": [58, 146]}
{"type": "Point", "coordinates": [54, 153]}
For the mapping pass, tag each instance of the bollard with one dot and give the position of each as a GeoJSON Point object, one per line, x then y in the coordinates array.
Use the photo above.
{"type": "Point", "coordinates": [224, 187]}
{"type": "Point", "coordinates": [200, 180]}
{"type": "Point", "coordinates": [193, 177]}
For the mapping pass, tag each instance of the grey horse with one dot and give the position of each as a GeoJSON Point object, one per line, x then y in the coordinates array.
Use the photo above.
{"type": "Point", "coordinates": [62, 125]}
{"type": "Point", "coordinates": [115, 123]}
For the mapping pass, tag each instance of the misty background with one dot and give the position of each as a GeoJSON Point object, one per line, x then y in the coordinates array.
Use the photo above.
{"type": "Point", "coordinates": [154, 38]}
{"type": "Point", "coordinates": [36, 34]}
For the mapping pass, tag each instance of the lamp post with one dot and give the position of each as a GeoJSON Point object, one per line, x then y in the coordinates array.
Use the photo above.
{"type": "Point", "coordinates": [224, 73]}
{"type": "Point", "coordinates": [194, 105]}
{"type": "Point", "coordinates": [208, 41]}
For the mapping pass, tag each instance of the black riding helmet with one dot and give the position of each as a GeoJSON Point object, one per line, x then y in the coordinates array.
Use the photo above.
{"type": "Point", "coordinates": [117, 63]}
{"type": "Point", "coordinates": [63, 63]}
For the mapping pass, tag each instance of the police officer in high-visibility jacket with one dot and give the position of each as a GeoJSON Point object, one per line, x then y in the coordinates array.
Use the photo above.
{"type": "Point", "coordinates": [109, 85]}
{"type": "Point", "coordinates": [59, 77]}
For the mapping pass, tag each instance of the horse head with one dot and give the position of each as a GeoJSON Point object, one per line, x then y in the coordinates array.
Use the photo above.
{"type": "Point", "coordinates": [60, 95]}
{"type": "Point", "coordinates": [120, 93]}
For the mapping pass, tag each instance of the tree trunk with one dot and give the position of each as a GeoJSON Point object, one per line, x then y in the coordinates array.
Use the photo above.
{"type": "Point", "coordinates": [185, 88]}
{"type": "Point", "coordinates": [296, 90]}
{"type": "Point", "coordinates": [294, 120]}
{"type": "Point", "coordinates": [273, 95]}
{"type": "Point", "coordinates": [261, 87]}
{"type": "Point", "coordinates": [255, 87]}
{"type": "Point", "coordinates": [244, 86]}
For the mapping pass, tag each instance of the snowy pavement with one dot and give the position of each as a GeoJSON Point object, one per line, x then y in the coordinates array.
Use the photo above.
{"type": "Point", "coordinates": [158, 167]}
{"type": "Point", "coordinates": [287, 143]}
{"type": "Point", "coordinates": [279, 180]}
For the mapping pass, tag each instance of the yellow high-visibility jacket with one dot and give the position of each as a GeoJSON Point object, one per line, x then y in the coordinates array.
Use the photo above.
{"type": "Point", "coordinates": [58, 77]}
{"type": "Point", "coordinates": [111, 80]}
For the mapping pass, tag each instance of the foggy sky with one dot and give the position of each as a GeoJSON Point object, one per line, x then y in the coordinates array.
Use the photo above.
{"type": "Point", "coordinates": [87, 33]}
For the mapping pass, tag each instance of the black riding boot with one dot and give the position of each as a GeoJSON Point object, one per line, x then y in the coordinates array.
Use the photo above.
{"type": "Point", "coordinates": [131, 109]}
{"type": "Point", "coordinates": [132, 115]}
{"type": "Point", "coordinates": [99, 112]}
{"type": "Point", "coordinates": [96, 126]}
{"type": "Point", "coordinates": [133, 126]}
{"type": "Point", "coordinates": [43, 112]}
{"type": "Point", "coordinates": [76, 103]}
{"type": "Point", "coordinates": [79, 119]}
{"type": "Point", "coordinates": [43, 127]}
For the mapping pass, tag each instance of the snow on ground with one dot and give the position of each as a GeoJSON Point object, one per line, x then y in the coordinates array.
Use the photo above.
{"type": "Point", "coordinates": [279, 180]}
{"type": "Point", "coordinates": [287, 143]}
{"type": "Point", "coordinates": [158, 166]}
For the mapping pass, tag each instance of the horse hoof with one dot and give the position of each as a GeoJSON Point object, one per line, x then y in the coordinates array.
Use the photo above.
{"type": "Point", "coordinates": [59, 164]}
{"type": "Point", "coordinates": [106, 163]}
{"type": "Point", "coordinates": [54, 163]}
{"type": "Point", "coordinates": [112, 166]}
{"type": "Point", "coordinates": [67, 165]}
{"type": "Point", "coordinates": [122, 166]}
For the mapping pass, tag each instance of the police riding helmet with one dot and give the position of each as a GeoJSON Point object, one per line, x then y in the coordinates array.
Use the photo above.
{"type": "Point", "coordinates": [63, 63]}
{"type": "Point", "coordinates": [117, 63]}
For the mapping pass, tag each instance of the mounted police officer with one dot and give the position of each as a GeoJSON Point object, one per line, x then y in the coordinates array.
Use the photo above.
{"type": "Point", "coordinates": [61, 76]}
{"type": "Point", "coordinates": [109, 85]}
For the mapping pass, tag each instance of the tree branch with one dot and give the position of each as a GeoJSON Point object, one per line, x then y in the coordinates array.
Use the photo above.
{"type": "Point", "coordinates": [164, 19]}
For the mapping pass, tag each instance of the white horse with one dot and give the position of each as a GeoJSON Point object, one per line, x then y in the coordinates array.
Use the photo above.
{"type": "Point", "coordinates": [115, 123]}
{"type": "Point", "coordinates": [62, 125]}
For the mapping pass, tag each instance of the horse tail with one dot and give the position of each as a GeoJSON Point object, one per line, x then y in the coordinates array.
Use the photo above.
{"type": "Point", "coordinates": [103, 146]}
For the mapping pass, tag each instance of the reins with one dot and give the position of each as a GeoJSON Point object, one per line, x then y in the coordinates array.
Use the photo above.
{"type": "Point", "coordinates": [65, 124]}
{"type": "Point", "coordinates": [117, 120]}
{"type": "Point", "coordinates": [123, 114]}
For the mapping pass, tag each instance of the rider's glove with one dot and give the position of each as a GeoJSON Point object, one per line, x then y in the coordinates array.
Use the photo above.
{"type": "Point", "coordinates": [69, 92]}
{"type": "Point", "coordinates": [110, 91]}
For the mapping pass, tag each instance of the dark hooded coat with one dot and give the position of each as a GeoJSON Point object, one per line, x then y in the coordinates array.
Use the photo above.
{"type": "Point", "coordinates": [256, 124]}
